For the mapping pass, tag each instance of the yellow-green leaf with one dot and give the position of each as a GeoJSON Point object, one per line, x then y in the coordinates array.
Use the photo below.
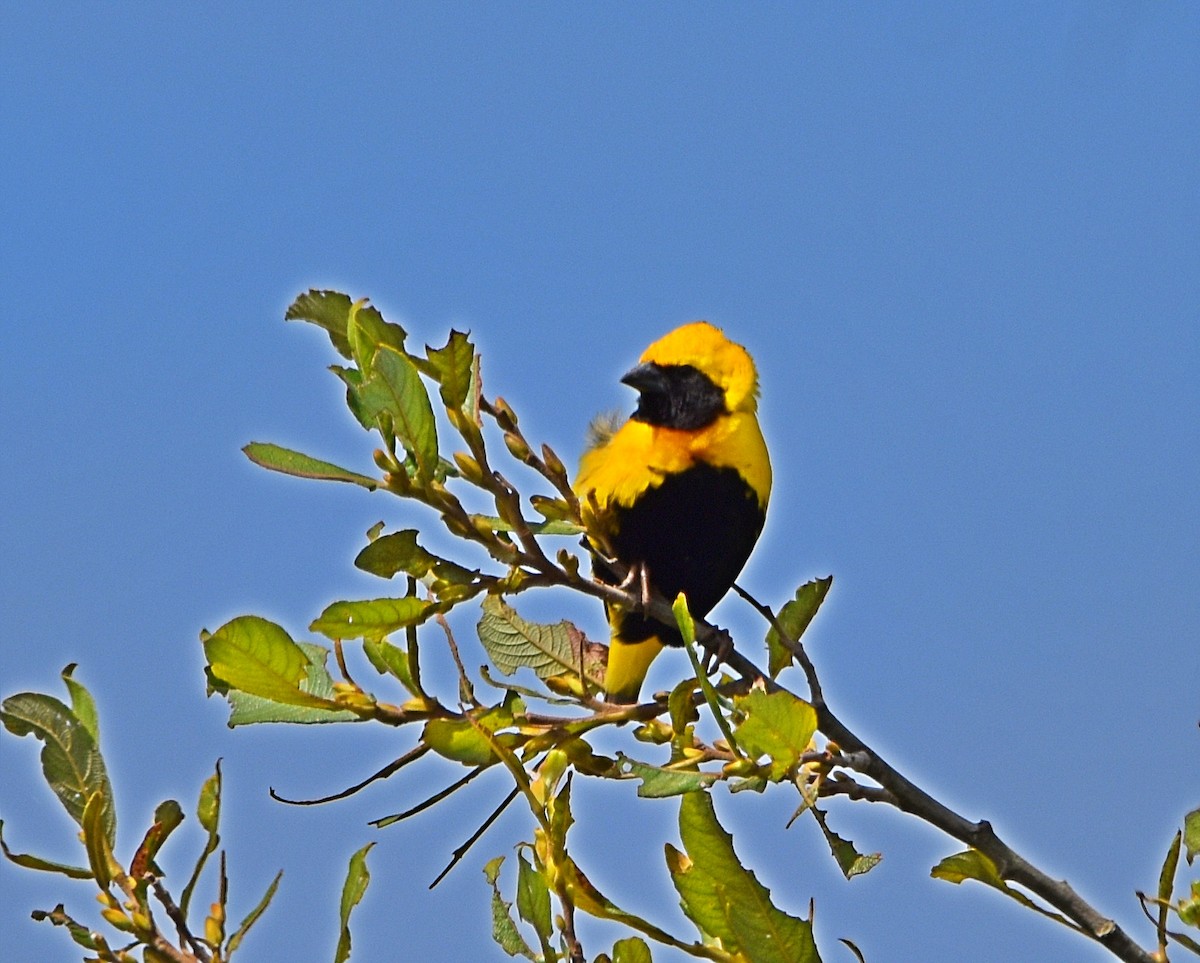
{"type": "Point", "coordinates": [777, 725]}
{"type": "Point", "coordinates": [851, 862]}
{"type": "Point", "coordinates": [724, 899]}
{"type": "Point", "coordinates": [504, 927]}
{"type": "Point", "coordinates": [632, 949]}
{"type": "Point", "coordinates": [258, 657]}
{"type": "Point", "coordinates": [331, 310]}
{"type": "Point", "coordinates": [300, 465]}
{"type": "Point", "coordinates": [99, 849]}
{"type": "Point", "coordinates": [391, 660]}
{"type": "Point", "coordinates": [42, 865]}
{"type": "Point", "coordinates": [794, 619]}
{"type": "Point", "coordinates": [208, 814]}
{"type": "Point", "coordinates": [71, 760]}
{"type": "Point", "coordinates": [659, 783]}
{"type": "Point", "coordinates": [453, 365]}
{"type": "Point", "coordinates": [167, 818]}
{"type": "Point", "coordinates": [394, 386]}
{"type": "Point", "coordinates": [533, 898]}
{"type": "Point", "coordinates": [462, 740]}
{"type": "Point", "coordinates": [372, 618]}
{"type": "Point", "coordinates": [1191, 834]}
{"type": "Point", "coordinates": [355, 885]}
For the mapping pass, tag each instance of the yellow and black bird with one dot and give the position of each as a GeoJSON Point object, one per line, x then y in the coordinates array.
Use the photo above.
{"type": "Point", "coordinates": [680, 489]}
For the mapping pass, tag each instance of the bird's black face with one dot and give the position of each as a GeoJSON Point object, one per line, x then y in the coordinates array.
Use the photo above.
{"type": "Point", "coordinates": [675, 396]}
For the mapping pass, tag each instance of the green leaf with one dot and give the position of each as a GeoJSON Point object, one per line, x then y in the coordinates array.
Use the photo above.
{"type": "Point", "coordinates": [357, 880]}
{"type": "Point", "coordinates": [208, 814]}
{"type": "Point", "coordinates": [498, 524]}
{"type": "Point", "coordinates": [393, 385]}
{"type": "Point", "coordinates": [395, 552]}
{"type": "Point", "coordinates": [246, 709]}
{"type": "Point", "coordinates": [851, 862]}
{"type": "Point", "coordinates": [251, 710]}
{"type": "Point", "coordinates": [97, 844]}
{"type": "Point", "coordinates": [42, 865]}
{"type": "Point", "coordinates": [513, 643]}
{"type": "Point", "coordinates": [453, 364]}
{"type": "Point", "coordinates": [1191, 834]}
{"type": "Point", "coordinates": [794, 619]}
{"type": "Point", "coordinates": [300, 465]}
{"type": "Point", "coordinates": [391, 660]}
{"type": "Point", "coordinates": [777, 725]}
{"type": "Point", "coordinates": [1166, 885]}
{"type": "Point", "coordinates": [533, 898]}
{"type": "Point", "coordinates": [253, 916]}
{"type": "Point", "coordinates": [631, 950]}
{"type": "Point", "coordinates": [724, 899]}
{"type": "Point", "coordinates": [398, 552]}
{"type": "Point", "coordinates": [659, 783]}
{"type": "Point", "coordinates": [71, 760]}
{"type": "Point", "coordinates": [372, 618]}
{"type": "Point", "coordinates": [258, 657]}
{"type": "Point", "coordinates": [972, 864]}
{"type": "Point", "coordinates": [83, 706]}
{"type": "Point", "coordinates": [461, 739]}
{"type": "Point", "coordinates": [331, 310]}
{"type": "Point", "coordinates": [504, 928]}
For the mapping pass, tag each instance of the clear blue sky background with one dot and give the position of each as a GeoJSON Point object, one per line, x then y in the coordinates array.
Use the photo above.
{"type": "Point", "coordinates": [963, 243]}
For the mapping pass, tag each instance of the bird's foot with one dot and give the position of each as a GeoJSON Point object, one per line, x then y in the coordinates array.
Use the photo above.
{"type": "Point", "coordinates": [718, 646]}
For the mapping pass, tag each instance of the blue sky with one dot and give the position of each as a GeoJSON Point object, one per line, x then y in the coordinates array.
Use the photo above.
{"type": "Point", "coordinates": [962, 243]}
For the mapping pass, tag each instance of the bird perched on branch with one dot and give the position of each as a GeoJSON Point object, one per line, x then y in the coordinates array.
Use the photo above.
{"type": "Point", "coordinates": [679, 492]}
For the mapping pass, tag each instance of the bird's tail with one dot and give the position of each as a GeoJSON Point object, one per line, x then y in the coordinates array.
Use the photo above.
{"type": "Point", "coordinates": [628, 663]}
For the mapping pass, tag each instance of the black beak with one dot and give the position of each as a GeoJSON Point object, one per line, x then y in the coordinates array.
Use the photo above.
{"type": "Point", "coordinates": [646, 378]}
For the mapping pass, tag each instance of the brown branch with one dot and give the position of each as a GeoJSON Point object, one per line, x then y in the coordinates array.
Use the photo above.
{"type": "Point", "coordinates": [199, 950]}
{"type": "Point", "coordinates": [901, 791]}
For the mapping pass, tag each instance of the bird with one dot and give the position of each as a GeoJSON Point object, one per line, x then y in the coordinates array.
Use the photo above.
{"type": "Point", "coordinates": [679, 492]}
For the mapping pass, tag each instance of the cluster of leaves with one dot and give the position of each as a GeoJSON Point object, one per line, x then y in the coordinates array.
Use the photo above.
{"type": "Point", "coordinates": [74, 768]}
{"type": "Point", "coordinates": [542, 735]}
{"type": "Point", "coordinates": [538, 734]}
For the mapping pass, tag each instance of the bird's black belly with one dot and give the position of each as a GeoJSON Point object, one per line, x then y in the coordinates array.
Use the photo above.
{"type": "Point", "coordinates": [693, 533]}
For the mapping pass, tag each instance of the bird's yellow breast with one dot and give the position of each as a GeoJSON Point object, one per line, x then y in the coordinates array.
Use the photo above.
{"type": "Point", "coordinates": [639, 456]}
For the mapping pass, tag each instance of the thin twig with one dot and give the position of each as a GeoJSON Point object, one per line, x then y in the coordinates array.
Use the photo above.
{"type": "Point", "coordinates": [437, 797]}
{"type": "Point", "coordinates": [474, 837]}
{"type": "Point", "coordinates": [199, 949]}
{"type": "Point", "coordinates": [390, 769]}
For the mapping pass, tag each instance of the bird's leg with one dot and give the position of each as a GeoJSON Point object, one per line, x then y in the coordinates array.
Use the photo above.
{"type": "Point", "coordinates": [644, 578]}
{"type": "Point", "coordinates": [638, 575]}
{"type": "Point", "coordinates": [718, 646]}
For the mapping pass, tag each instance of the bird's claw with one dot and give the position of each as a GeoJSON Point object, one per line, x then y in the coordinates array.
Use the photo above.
{"type": "Point", "coordinates": [717, 648]}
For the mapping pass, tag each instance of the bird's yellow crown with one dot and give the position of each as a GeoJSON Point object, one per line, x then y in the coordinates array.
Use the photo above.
{"type": "Point", "coordinates": [705, 348]}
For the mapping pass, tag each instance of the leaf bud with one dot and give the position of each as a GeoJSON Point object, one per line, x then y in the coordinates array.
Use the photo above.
{"type": "Point", "coordinates": [553, 462]}
{"type": "Point", "coordinates": [398, 481]}
{"type": "Point", "coordinates": [506, 418]}
{"type": "Point", "coordinates": [469, 467]}
{"type": "Point", "coordinates": [516, 444]}
{"type": "Point", "coordinates": [740, 767]}
{"type": "Point", "coordinates": [568, 562]}
{"type": "Point", "coordinates": [655, 732]}
{"type": "Point", "coordinates": [117, 919]}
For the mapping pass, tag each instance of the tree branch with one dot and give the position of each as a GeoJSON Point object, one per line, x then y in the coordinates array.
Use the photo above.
{"type": "Point", "coordinates": [898, 790]}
